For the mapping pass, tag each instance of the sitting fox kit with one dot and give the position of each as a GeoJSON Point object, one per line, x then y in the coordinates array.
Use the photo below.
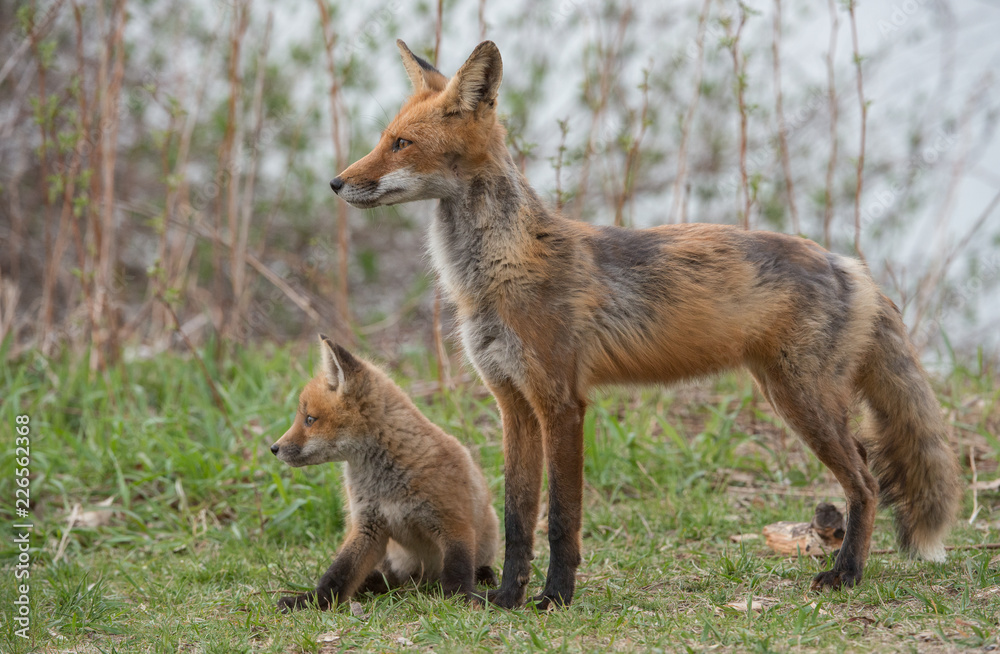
{"type": "Point", "coordinates": [549, 307]}
{"type": "Point", "coordinates": [419, 506]}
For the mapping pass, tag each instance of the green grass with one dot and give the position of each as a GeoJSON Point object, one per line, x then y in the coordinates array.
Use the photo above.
{"type": "Point", "coordinates": [206, 528]}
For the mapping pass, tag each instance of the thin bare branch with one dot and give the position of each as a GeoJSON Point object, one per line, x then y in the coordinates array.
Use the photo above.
{"type": "Point", "coordinates": [559, 161]}
{"type": "Point", "coordinates": [831, 90]}
{"type": "Point", "coordinates": [681, 180]}
{"type": "Point", "coordinates": [864, 131]}
{"type": "Point", "coordinates": [438, 21]}
{"type": "Point", "coordinates": [780, 115]}
{"type": "Point", "coordinates": [444, 364]}
{"type": "Point", "coordinates": [739, 75]}
{"type": "Point", "coordinates": [233, 141]}
{"type": "Point", "coordinates": [242, 237]}
{"type": "Point", "coordinates": [632, 156]}
{"type": "Point", "coordinates": [343, 210]}
{"type": "Point", "coordinates": [105, 338]}
{"type": "Point", "coordinates": [53, 254]}
{"type": "Point", "coordinates": [38, 32]}
{"type": "Point", "coordinates": [610, 60]}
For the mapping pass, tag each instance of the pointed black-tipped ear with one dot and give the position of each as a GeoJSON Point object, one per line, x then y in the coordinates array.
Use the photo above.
{"type": "Point", "coordinates": [422, 75]}
{"type": "Point", "coordinates": [478, 80]}
{"type": "Point", "coordinates": [339, 365]}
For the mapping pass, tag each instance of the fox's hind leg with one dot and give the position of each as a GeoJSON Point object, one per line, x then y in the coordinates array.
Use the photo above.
{"type": "Point", "coordinates": [458, 544]}
{"type": "Point", "coordinates": [387, 575]}
{"type": "Point", "coordinates": [377, 583]}
{"type": "Point", "coordinates": [818, 409]}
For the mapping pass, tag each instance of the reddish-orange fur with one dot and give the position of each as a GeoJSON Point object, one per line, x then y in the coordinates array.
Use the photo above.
{"type": "Point", "coordinates": [420, 508]}
{"type": "Point", "coordinates": [549, 307]}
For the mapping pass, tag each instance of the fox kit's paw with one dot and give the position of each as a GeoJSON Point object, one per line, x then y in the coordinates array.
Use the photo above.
{"type": "Point", "coordinates": [486, 576]}
{"type": "Point", "coordinates": [834, 579]}
{"type": "Point", "coordinates": [302, 601]}
{"type": "Point", "coordinates": [293, 602]}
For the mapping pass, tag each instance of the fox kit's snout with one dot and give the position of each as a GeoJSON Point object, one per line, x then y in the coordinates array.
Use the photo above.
{"type": "Point", "coordinates": [420, 508]}
{"type": "Point", "coordinates": [323, 429]}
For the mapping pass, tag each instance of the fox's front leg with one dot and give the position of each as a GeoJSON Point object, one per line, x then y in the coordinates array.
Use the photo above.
{"type": "Point", "coordinates": [562, 426]}
{"type": "Point", "coordinates": [363, 548]}
{"type": "Point", "coordinates": [523, 455]}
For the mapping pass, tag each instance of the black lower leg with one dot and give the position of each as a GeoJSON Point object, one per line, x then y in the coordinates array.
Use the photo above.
{"type": "Point", "coordinates": [486, 576]}
{"type": "Point", "coordinates": [564, 546]}
{"type": "Point", "coordinates": [516, 561]}
{"type": "Point", "coordinates": [848, 567]}
{"type": "Point", "coordinates": [564, 439]}
{"type": "Point", "coordinates": [457, 576]}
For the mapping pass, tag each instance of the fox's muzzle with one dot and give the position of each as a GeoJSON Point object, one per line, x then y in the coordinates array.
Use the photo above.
{"type": "Point", "coordinates": [289, 453]}
{"type": "Point", "coordinates": [394, 187]}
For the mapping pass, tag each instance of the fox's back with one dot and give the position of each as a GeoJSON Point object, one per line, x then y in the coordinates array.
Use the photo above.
{"type": "Point", "coordinates": [680, 301]}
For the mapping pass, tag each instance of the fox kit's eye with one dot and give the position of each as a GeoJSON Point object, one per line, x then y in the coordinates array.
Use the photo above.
{"type": "Point", "coordinates": [399, 144]}
{"type": "Point", "coordinates": [310, 420]}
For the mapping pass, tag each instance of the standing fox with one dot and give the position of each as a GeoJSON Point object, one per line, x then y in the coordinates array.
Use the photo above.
{"type": "Point", "coordinates": [420, 509]}
{"type": "Point", "coordinates": [549, 307]}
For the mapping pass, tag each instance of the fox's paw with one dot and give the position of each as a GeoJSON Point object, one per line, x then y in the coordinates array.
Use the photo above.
{"type": "Point", "coordinates": [834, 579]}
{"type": "Point", "coordinates": [486, 576]}
{"type": "Point", "coordinates": [504, 598]}
{"type": "Point", "coordinates": [548, 601]}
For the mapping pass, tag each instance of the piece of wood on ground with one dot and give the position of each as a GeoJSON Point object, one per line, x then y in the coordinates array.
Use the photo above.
{"type": "Point", "coordinates": [817, 538]}
{"type": "Point", "coordinates": [756, 603]}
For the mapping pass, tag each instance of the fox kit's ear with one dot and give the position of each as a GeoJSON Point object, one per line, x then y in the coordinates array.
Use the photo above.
{"type": "Point", "coordinates": [478, 80]}
{"type": "Point", "coordinates": [339, 365]}
{"type": "Point", "coordinates": [422, 75]}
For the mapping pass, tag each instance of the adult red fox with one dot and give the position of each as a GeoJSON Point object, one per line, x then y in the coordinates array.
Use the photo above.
{"type": "Point", "coordinates": [549, 307]}
{"type": "Point", "coordinates": [420, 508]}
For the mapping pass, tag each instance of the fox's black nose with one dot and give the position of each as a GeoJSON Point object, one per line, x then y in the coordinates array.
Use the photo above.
{"type": "Point", "coordinates": [274, 449]}
{"type": "Point", "coordinates": [336, 184]}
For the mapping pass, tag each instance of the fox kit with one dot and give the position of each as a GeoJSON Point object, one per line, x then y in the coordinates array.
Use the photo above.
{"type": "Point", "coordinates": [549, 307]}
{"type": "Point", "coordinates": [420, 509]}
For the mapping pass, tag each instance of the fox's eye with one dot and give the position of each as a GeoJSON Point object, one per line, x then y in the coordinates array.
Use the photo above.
{"type": "Point", "coordinates": [310, 420]}
{"type": "Point", "coordinates": [399, 144]}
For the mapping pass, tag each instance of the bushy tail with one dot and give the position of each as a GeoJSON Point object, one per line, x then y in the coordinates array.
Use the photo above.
{"type": "Point", "coordinates": [916, 468]}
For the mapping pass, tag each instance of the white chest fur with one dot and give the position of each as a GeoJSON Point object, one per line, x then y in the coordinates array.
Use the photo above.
{"type": "Point", "coordinates": [494, 349]}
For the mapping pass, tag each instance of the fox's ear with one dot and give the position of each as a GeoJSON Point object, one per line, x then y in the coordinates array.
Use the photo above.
{"type": "Point", "coordinates": [339, 366]}
{"type": "Point", "coordinates": [422, 75]}
{"type": "Point", "coordinates": [478, 80]}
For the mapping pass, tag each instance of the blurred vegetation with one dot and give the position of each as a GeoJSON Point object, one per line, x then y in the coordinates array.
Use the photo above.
{"type": "Point", "coordinates": [164, 166]}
